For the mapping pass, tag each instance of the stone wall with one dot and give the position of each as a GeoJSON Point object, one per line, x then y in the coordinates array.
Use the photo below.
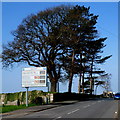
{"type": "Point", "coordinates": [14, 98]}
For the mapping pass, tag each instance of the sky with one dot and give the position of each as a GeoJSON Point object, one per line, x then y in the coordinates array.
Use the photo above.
{"type": "Point", "coordinates": [14, 12]}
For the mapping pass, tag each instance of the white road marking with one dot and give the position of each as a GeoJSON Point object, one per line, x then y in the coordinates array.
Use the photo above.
{"type": "Point", "coordinates": [57, 118]}
{"type": "Point", "coordinates": [86, 106]}
{"type": "Point", "coordinates": [72, 111]}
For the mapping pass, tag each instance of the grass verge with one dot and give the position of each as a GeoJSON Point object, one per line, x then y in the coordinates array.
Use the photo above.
{"type": "Point", "coordinates": [8, 108]}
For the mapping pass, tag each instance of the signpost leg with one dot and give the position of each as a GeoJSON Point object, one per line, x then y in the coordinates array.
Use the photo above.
{"type": "Point", "coordinates": [27, 96]}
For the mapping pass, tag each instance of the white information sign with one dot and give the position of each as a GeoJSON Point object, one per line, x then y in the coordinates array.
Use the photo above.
{"type": "Point", "coordinates": [34, 77]}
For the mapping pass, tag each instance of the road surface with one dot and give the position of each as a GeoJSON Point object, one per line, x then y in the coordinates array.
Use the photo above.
{"type": "Point", "coordinates": [102, 108]}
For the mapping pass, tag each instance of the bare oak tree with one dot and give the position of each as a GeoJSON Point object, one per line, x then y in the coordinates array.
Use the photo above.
{"type": "Point", "coordinates": [37, 43]}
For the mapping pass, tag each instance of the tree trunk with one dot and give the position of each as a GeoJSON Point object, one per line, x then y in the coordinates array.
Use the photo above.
{"type": "Point", "coordinates": [70, 83]}
{"type": "Point", "coordinates": [53, 81]}
{"type": "Point", "coordinates": [93, 85]}
{"type": "Point", "coordinates": [83, 83]}
{"type": "Point", "coordinates": [79, 85]}
{"type": "Point", "coordinates": [91, 77]}
{"type": "Point", "coordinates": [90, 86]}
{"type": "Point", "coordinates": [53, 86]}
{"type": "Point", "coordinates": [71, 73]}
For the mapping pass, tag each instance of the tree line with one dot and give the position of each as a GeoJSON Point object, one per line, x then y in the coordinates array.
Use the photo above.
{"type": "Point", "coordinates": [65, 40]}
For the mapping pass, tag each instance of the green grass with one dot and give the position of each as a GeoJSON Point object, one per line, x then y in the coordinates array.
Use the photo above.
{"type": "Point", "coordinates": [8, 108]}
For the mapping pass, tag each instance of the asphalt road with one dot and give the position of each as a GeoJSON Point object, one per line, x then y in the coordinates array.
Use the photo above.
{"type": "Point", "coordinates": [102, 108]}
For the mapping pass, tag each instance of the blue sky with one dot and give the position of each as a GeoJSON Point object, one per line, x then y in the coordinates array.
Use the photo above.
{"type": "Point", "coordinates": [13, 13]}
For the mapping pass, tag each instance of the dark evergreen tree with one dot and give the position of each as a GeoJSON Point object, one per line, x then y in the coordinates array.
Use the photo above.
{"type": "Point", "coordinates": [94, 50]}
{"type": "Point", "coordinates": [77, 28]}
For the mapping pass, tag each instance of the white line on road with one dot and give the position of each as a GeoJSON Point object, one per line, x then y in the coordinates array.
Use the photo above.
{"type": "Point", "coordinates": [116, 114]}
{"type": "Point", "coordinates": [86, 106]}
{"type": "Point", "coordinates": [57, 118]}
{"type": "Point", "coordinates": [73, 111]}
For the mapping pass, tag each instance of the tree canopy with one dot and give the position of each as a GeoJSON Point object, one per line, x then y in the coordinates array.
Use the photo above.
{"type": "Point", "coordinates": [63, 38]}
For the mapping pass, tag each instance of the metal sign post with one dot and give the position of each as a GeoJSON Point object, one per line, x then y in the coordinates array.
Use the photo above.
{"type": "Point", "coordinates": [26, 96]}
{"type": "Point", "coordinates": [34, 77]}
